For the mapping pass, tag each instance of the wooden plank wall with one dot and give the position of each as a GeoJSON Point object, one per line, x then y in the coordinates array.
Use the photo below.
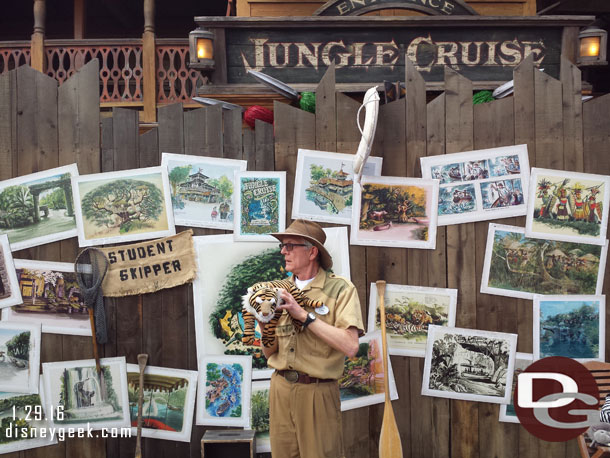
{"type": "Point", "coordinates": [43, 126]}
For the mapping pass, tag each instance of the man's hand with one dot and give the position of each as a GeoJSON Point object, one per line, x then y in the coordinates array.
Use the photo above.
{"type": "Point", "coordinates": [291, 306]}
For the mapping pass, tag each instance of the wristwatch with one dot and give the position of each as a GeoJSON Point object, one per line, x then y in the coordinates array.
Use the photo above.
{"type": "Point", "coordinates": [311, 317]}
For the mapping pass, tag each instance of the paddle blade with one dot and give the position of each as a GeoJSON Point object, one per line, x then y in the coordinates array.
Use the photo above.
{"type": "Point", "coordinates": [275, 85]}
{"type": "Point", "coordinates": [389, 440]}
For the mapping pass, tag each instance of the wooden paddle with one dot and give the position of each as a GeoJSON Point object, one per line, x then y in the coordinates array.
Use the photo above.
{"type": "Point", "coordinates": [142, 360]}
{"type": "Point", "coordinates": [389, 440]}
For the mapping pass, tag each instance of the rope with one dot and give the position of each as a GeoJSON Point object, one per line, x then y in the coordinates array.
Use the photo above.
{"type": "Point", "coordinates": [89, 276]}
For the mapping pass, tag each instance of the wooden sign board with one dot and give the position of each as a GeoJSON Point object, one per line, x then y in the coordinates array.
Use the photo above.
{"type": "Point", "coordinates": [373, 49]}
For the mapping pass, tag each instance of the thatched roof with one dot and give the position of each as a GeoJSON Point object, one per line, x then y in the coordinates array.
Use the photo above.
{"type": "Point", "coordinates": [590, 257]}
{"type": "Point", "coordinates": [557, 252]}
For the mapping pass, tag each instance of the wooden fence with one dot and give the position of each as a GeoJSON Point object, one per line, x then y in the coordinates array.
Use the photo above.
{"type": "Point", "coordinates": [43, 126]}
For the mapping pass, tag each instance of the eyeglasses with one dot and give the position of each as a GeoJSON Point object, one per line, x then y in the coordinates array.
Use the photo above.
{"type": "Point", "coordinates": [289, 246]}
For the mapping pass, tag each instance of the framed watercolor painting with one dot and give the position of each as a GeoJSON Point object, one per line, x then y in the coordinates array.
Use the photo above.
{"type": "Point", "coordinates": [409, 311]}
{"type": "Point", "coordinates": [202, 189]}
{"type": "Point", "coordinates": [19, 357]}
{"type": "Point", "coordinates": [362, 383]}
{"type": "Point", "coordinates": [9, 285]}
{"type": "Point", "coordinates": [24, 416]}
{"type": "Point", "coordinates": [223, 397]}
{"type": "Point", "coordinates": [568, 206]}
{"type": "Point", "coordinates": [124, 206]}
{"type": "Point", "coordinates": [395, 212]}
{"type": "Point", "coordinates": [570, 326]}
{"type": "Point", "coordinates": [469, 364]}
{"type": "Point", "coordinates": [259, 414]}
{"type": "Point", "coordinates": [80, 398]}
{"type": "Point", "coordinates": [51, 297]}
{"type": "Point", "coordinates": [38, 208]}
{"type": "Point", "coordinates": [480, 185]}
{"type": "Point", "coordinates": [260, 199]}
{"type": "Point", "coordinates": [226, 270]}
{"type": "Point", "coordinates": [323, 185]}
{"type": "Point", "coordinates": [507, 411]}
{"type": "Point", "coordinates": [518, 266]}
{"type": "Point", "coordinates": [169, 402]}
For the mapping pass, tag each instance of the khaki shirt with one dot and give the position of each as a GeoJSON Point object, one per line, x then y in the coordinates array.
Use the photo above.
{"type": "Point", "coordinates": [304, 351]}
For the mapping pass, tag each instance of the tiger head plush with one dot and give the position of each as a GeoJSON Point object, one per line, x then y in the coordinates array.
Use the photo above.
{"type": "Point", "coordinates": [261, 302]}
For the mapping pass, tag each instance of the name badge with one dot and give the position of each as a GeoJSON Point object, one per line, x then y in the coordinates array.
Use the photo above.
{"type": "Point", "coordinates": [322, 310]}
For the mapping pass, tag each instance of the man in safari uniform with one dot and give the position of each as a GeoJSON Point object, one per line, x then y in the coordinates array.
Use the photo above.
{"type": "Point", "coordinates": [304, 404]}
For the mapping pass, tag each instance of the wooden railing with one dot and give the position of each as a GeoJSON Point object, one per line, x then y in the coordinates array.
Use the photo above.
{"type": "Point", "coordinates": [121, 69]}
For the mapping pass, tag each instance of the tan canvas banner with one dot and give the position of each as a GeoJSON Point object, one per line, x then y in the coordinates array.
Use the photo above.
{"type": "Point", "coordinates": [150, 266]}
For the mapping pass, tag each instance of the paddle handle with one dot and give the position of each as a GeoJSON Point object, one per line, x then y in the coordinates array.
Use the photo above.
{"type": "Point", "coordinates": [142, 360]}
{"type": "Point", "coordinates": [384, 345]}
{"type": "Point", "coordinates": [96, 355]}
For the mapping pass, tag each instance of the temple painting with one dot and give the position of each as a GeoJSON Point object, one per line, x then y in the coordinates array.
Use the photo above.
{"type": "Point", "coordinates": [38, 208]}
{"type": "Point", "coordinates": [86, 396]}
{"type": "Point", "coordinates": [202, 189]}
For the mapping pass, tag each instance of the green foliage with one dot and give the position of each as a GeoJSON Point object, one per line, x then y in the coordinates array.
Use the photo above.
{"type": "Point", "coordinates": [212, 372]}
{"type": "Point", "coordinates": [16, 206]}
{"type": "Point", "coordinates": [318, 172]}
{"type": "Point", "coordinates": [55, 200]}
{"type": "Point", "coordinates": [236, 412]}
{"type": "Point", "coordinates": [19, 401]}
{"type": "Point", "coordinates": [19, 346]}
{"type": "Point", "coordinates": [266, 266]}
{"type": "Point", "coordinates": [178, 175]}
{"type": "Point", "coordinates": [178, 397]}
{"type": "Point", "coordinates": [240, 370]}
{"type": "Point", "coordinates": [260, 411]}
{"type": "Point", "coordinates": [122, 203]}
{"type": "Point", "coordinates": [363, 350]}
{"type": "Point", "coordinates": [582, 227]}
{"type": "Point", "coordinates": [224, 185]}
{"type": "Point", "coordinates": [113, 399]}
{"type": "Point", "coordinates": [258, 360]}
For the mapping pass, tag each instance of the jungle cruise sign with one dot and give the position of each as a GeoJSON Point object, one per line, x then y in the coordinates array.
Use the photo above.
{"type": "Point", "coordinates": [373, 49]}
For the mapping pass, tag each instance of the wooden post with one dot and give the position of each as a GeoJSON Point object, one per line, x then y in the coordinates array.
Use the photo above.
{"type": "Point", "coordinates": [148, 64]}
{"type": "Point", "coordinates": [80, 18]}
{"type": "Point", "coordinates": [37, 43]}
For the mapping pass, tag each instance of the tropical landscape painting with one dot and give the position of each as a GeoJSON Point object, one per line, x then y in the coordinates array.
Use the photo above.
{"type": "Point", "coordinates": [507, 411]}
{"type": "Point", "coordinates": [323, 189]}
{"type": "Point", "coordinates": [570, 326]}
{"type": "Point", "coordinates": [226, 270]}
{"type": "Point", "coordinates": [259, 415]}
{"type": "Point", "coordinates": [224, 390]}
{"type": "Point", "coordinates": [261, 201]}
{"type": "Point", "coordinates": [86, 398]}
{"type": "Point", "coordinates": [19, 357]}
{"type": "Point", "coordinates": [518, 266]}
{"type": "Point", "coordinates": [469, 364]}
{"type": "Point", "coordinates": [395, 212]}
{"type": "Point", "coordinates": [23, 424]}
{"type": "Point", "coordinates": [168, 405]}
{"type": "Point", "coordinates": [202, 189]}
{"type": "Point", "coordinates": [9, 286]}
{"type": "Point", "coordinates": [38, 208]}
{"type": "Point", "coordinates": [568, 206]}
{"type": "Point", "coordinates": [409, 310]}
{"type": "Point", "coordinates": [51, 297]}
{"type": "Point", "coordinates": [480, 185]}
{"type": "Point", "coordinates": [362, 382]}
{"type": "Point", "coordinates": [123, 206]}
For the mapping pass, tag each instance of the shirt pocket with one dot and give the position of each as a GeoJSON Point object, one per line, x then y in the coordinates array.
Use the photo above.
{"type": "Point", "coordinates": [285, 330]}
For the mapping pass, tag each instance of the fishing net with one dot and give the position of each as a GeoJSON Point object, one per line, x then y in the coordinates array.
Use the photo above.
{"type": "Point", "coordinates": [90, 266]}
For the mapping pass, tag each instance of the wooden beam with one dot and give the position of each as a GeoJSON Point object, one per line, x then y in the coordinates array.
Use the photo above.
{"type": "Point", "coordinates": [37, 44]}
{"type": "Point", "coordinates": [80, 18]}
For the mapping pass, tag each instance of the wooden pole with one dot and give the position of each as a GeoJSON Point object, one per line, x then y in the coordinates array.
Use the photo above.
{"type": "Point", "coordinates": [37, 43]}
{"type": "Point", "coordinates": [149, 91]}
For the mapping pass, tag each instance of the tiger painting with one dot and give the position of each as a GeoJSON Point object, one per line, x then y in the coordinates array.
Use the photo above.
{"type": "Point", "coordinates": [259, 304]}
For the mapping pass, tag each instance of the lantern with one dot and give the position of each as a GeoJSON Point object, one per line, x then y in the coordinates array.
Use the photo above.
{"type": "Point", "coordinates": [201, 49]}
{"type": "Point", "coordinates": [592, 43]}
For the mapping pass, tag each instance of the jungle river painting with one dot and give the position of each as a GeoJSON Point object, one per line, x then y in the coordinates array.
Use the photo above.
{"type": "Point", "coordinates": [568, 206]}
{"type": "Point", "coordinates": [362, 381]}
{"type": "Point", "coordinates": [570, 326]}
{"type": "Point", "coordinates": [224, 390]}
{"type": "Point", "coordinates": [38, 208]}
{"type": "Point", "coordinates": [22, 420]}
{"type": "Point", "coordinates": [125, 206]}
{"type": "Point", "coordinates": [469, 364]}
{"type": "Point", "coordinates": [507, 411]}
{"type": "Point", "coordinates": [324, 184]}
{"type": "Point", "coordinates": [88, 399]}
{"type": "Point", "coordinates": [51, 297]}
{"type": "Point", "coordinates": [518, 266]}
{"type": "Point", "coordinates": [19, 357]}
{"type": "Point", "coordinates": [395, 212]}
{"type": "Point", "coordinates": [409, 311]}
{"type": "Point", "coordinates": [169, 402]}
{"type": "Point", "coordinates": [202, 189]}
{"type": "Point", "coordinates": [259, 415]}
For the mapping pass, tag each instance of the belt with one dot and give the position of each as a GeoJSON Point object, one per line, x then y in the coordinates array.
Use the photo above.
{"type": "Point", "coordinates": [299, 377]}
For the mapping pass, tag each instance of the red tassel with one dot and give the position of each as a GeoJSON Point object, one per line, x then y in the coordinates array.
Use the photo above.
{"type": "Point", "coordinates": [257, 112]}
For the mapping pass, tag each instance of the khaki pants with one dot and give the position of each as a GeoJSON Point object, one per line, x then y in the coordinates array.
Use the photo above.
{"type": "Point", "coordinates": [305, 419]}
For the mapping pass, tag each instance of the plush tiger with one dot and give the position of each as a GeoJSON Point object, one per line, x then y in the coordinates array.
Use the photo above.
{"type": "Point", "coordinates": [260, 303]}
